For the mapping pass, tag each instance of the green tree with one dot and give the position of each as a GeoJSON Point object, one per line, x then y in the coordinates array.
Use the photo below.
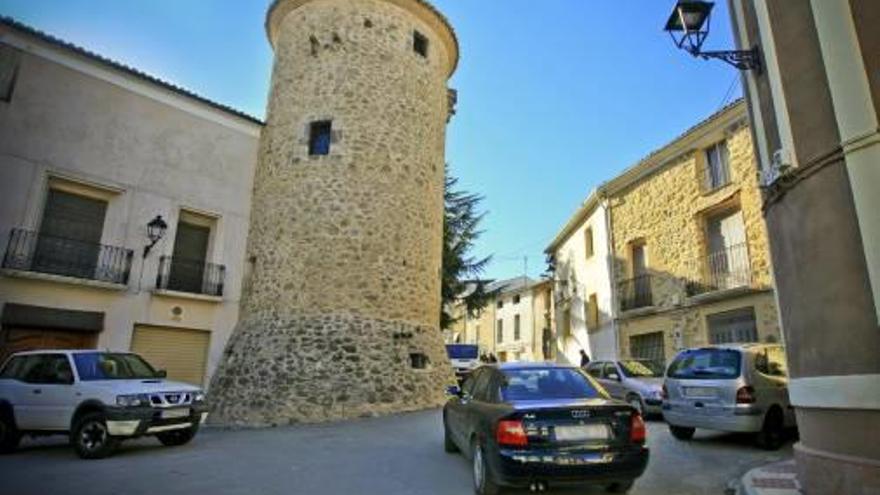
{"type": "Point", "coordinates": [461, 271]}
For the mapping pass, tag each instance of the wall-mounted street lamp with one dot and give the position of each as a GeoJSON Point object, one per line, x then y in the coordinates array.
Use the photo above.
{"type": "Point", "coordinates": [155, 230]}
{"type": "Point", "coordinates": [689, 24]}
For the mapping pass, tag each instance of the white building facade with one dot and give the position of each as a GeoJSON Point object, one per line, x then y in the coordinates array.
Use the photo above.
{"type": "Point", "coordinates": [585, 315]}
{"type": "Point", "coordinates": [90, 153]}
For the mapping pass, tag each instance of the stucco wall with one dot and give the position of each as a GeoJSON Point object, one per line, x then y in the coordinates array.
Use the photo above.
{"type": "Point", "coordinates": [73, 118]}
{"type": "Point", "coordinates": [586, 276]}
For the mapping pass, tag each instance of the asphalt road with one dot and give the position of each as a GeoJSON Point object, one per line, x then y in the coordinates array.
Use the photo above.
{"type": "Point", "coordinates": [393, 455]}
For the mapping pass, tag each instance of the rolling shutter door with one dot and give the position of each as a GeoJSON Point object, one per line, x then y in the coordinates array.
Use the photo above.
{"type": "Point", "coordinates": [182, 353]}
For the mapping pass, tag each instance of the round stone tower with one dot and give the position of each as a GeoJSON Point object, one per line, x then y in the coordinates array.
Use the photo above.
{"type": "Point", "coordinates": [340, 311]}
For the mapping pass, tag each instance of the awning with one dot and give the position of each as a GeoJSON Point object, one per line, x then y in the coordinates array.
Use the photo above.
{"type": "Point", "coordinates": [27, 316]}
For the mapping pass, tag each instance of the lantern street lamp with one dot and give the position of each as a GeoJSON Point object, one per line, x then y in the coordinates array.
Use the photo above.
{"type": "Point", "coordinates": [688, 25]}
{"type": "Point", "coordinates": [155, 230]}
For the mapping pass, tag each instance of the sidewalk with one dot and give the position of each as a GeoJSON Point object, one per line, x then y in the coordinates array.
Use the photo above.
{"type": "Point", "coordinates": [773, 479]}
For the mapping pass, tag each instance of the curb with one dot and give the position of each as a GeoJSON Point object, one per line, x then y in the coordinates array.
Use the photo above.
{"type": "Point", "coordinates": [779, 478]}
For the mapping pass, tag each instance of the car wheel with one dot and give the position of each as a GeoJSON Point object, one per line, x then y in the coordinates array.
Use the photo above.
{"type": "Point", "coordinates": [175, 438]}
{"type": "Point", "coordinates": [9, 434]}
{"type": "Point", "coordinates": [483, 485]}
{"type": "Point", "coordinates": [773, 431]}
{"type": "Point", "coordinates": [682, 432]}
{"type": "Point", "coordinates": [91, 439]}
{"type": "Point", "coordinates": [636, 402]}
{"type": "Point", "coordinates": [448, 444]}
{"type": "Point", "coordinates": [622, 487]}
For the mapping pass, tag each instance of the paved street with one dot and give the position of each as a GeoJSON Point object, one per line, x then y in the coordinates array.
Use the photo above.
{"type": "Point", "coordinates": [402, 455]}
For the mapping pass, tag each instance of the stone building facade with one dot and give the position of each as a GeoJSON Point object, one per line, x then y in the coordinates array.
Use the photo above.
{"type": "Point", "coordinates": [691, 261]}
{"type": "Point", "coordinates": [340, 313]}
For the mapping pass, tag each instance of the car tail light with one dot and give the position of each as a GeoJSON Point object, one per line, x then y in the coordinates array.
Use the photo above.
{"type": "Point", "coordinates": [637, 430]}
{"type": "Point", "coordinates": [511, 433]}
{"type": "Point", "coordinates": [664, 394]}
{"type": "Point", "coordinates": [745, 395]}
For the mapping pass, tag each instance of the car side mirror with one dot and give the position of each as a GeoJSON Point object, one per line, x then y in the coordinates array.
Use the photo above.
{"type": "Point", "coordinates": [614, 376]}
{"type": "Point", "coordinates": [453, 391]}
{"type": "Point", "coordinates": [161, 374]}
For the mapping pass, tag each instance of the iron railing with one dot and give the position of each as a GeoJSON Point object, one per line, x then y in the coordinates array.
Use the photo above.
{"type": "Point", "coordinates": [636, 292]}
{"type": "Point", "coordinates": [37, 252]}
{"type": "Point", "coordinates": [193, 276]}
{"type": "Point", "coordinates": [726, 269]}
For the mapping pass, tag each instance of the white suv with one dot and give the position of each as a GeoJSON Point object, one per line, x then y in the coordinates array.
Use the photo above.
{"type": "Point", "coordinates": [98, 398]}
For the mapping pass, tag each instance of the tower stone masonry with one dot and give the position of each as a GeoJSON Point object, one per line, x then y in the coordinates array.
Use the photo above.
{"type": "Point", "coordinates": [340, 312]}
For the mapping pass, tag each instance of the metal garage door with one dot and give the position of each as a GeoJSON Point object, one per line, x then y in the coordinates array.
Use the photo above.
{"type": "Point", "coordinates": [182, 353]}
{"type": "Point", "coordinates": [14, 340]}
{"type": "Point", "coordinates": [733, 326]}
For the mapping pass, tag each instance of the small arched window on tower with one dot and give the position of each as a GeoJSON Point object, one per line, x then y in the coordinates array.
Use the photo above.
{"type": "Point", "coordinates": [320, 136]}
{"type": "Point", "coordinates": [420, 44]}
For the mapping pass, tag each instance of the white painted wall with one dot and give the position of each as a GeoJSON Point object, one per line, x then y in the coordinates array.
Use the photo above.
{"type": "Point", "coordinates": [585, 276]}
{"type": "Point", "coordinates": [159, 151]}
{"type": "Point", "coordinates": [508, 313]}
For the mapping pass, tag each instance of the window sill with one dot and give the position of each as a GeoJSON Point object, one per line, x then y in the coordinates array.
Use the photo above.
{"type": "Point", "coordinates": [721, 294]}
{"type": "Point", "coordinates": [644, 310]}
{"type": "Point", "coordinates": [709, 192]}
{"type": "Point", "coordinates": [62, 279]}
{"type": "Point", "coordinates": [187, 295]}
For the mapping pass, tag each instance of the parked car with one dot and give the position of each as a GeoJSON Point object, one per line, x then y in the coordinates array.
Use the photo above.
{"type": "Point", "coordinates": [540, 425]}
{"type": "Point", "coordinates": [98, 398]}
{"type": "Point", "coordinates": [638, 382]}
{"type": "Point", "coordinates": [737, 388]}
{"type": "Point", "coordinates": [464, 358]}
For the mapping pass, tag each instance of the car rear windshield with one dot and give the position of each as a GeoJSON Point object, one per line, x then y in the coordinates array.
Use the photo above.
{"type": "Point", "coordinates": [463, 351]}
{"type": "Point", "coordinates": [706, 364]}
{"type": "Point", "coordinates": [109, 366]}
{"type": "Point", "coordinates": [546, 383]}
{"type": "Point", "coordinates": [641, 369]}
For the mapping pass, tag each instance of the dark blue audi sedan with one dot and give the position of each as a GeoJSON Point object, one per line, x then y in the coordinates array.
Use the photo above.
{"type": "Point", "coordinates": [543, 425]}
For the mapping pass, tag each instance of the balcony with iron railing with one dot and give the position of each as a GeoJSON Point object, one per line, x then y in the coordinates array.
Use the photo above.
{"type": "Point", "coordinates": [636, 292]}
{"type": "Point", "coordinates": [191, 276]}
{"type": "Point", "coordinates": [36, 252]}
{"type": "Point", "coordinates": [729, 268]}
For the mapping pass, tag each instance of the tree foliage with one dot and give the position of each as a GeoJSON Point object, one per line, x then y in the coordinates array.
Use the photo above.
{"type": "Point", "coordinates": [461, 270]}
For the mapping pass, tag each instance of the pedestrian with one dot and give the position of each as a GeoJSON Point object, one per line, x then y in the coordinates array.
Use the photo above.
{"type": "Point", "coordinates": [585, 359]}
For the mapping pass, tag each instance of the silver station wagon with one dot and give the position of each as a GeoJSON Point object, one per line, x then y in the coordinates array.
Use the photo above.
{"type": "Point", "coordinates": [736, 388]}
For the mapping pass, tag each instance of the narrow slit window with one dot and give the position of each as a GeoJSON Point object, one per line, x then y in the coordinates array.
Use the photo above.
{"type": "Point", "coordinates": [418, 361]}
{"type": "Point", "coordinates": [320, 134]}
{"type": "Point", "coordinates": [420, 43]}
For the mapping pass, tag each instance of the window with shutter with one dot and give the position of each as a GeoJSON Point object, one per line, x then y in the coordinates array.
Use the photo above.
{"type": "Point", "coordinates": [69, 241]}
{"type": "Point", "coordinates": [717, 166]}
{"type": "Point", "coordinates": [189, 258]}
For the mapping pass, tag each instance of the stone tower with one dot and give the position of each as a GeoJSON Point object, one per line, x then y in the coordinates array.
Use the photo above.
{"type": "Point", "coordinates": [339, 316]}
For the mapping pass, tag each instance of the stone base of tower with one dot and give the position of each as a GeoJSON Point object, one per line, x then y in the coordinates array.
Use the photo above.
{"type": "Point", "coordinates": [309, 369]}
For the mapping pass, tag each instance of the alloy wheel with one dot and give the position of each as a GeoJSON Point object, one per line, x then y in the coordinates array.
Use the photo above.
{"type": "Point", "coordinates": [479, 473]}
{"type": "Point", "coordinates": [93, 436]}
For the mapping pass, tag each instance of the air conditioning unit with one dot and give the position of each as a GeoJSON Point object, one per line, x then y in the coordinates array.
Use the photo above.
{"type": "Point", "coordinates": [779, 166]}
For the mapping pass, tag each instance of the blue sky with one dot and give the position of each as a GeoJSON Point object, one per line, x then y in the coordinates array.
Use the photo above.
{"type": "Point", "coordinates": [555, 96]}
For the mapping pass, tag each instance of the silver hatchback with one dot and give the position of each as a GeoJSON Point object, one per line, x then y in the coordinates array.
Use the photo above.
{"type": "Point", "coordinates": [737, 388]}
{"type": "Point", "coordinates": [636, 381]}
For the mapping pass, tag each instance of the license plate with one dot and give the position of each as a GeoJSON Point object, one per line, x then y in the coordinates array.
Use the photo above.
{"type": "Point", "coordinates": [581, 433]}
{"type": "Point", "coordinates": [699, 392]}
{"type": "Point", "coordinates": [175, 413]}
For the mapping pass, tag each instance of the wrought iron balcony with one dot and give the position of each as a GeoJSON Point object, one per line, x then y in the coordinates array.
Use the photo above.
{"type": "Point", "coordinates": [636, 292]}
{"type": "Point", "coordinates": [193, 276]}
{"type": "Point", "coordinates": [40, 253]}
{"type": "Point", "coordinates": [726, 269]}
